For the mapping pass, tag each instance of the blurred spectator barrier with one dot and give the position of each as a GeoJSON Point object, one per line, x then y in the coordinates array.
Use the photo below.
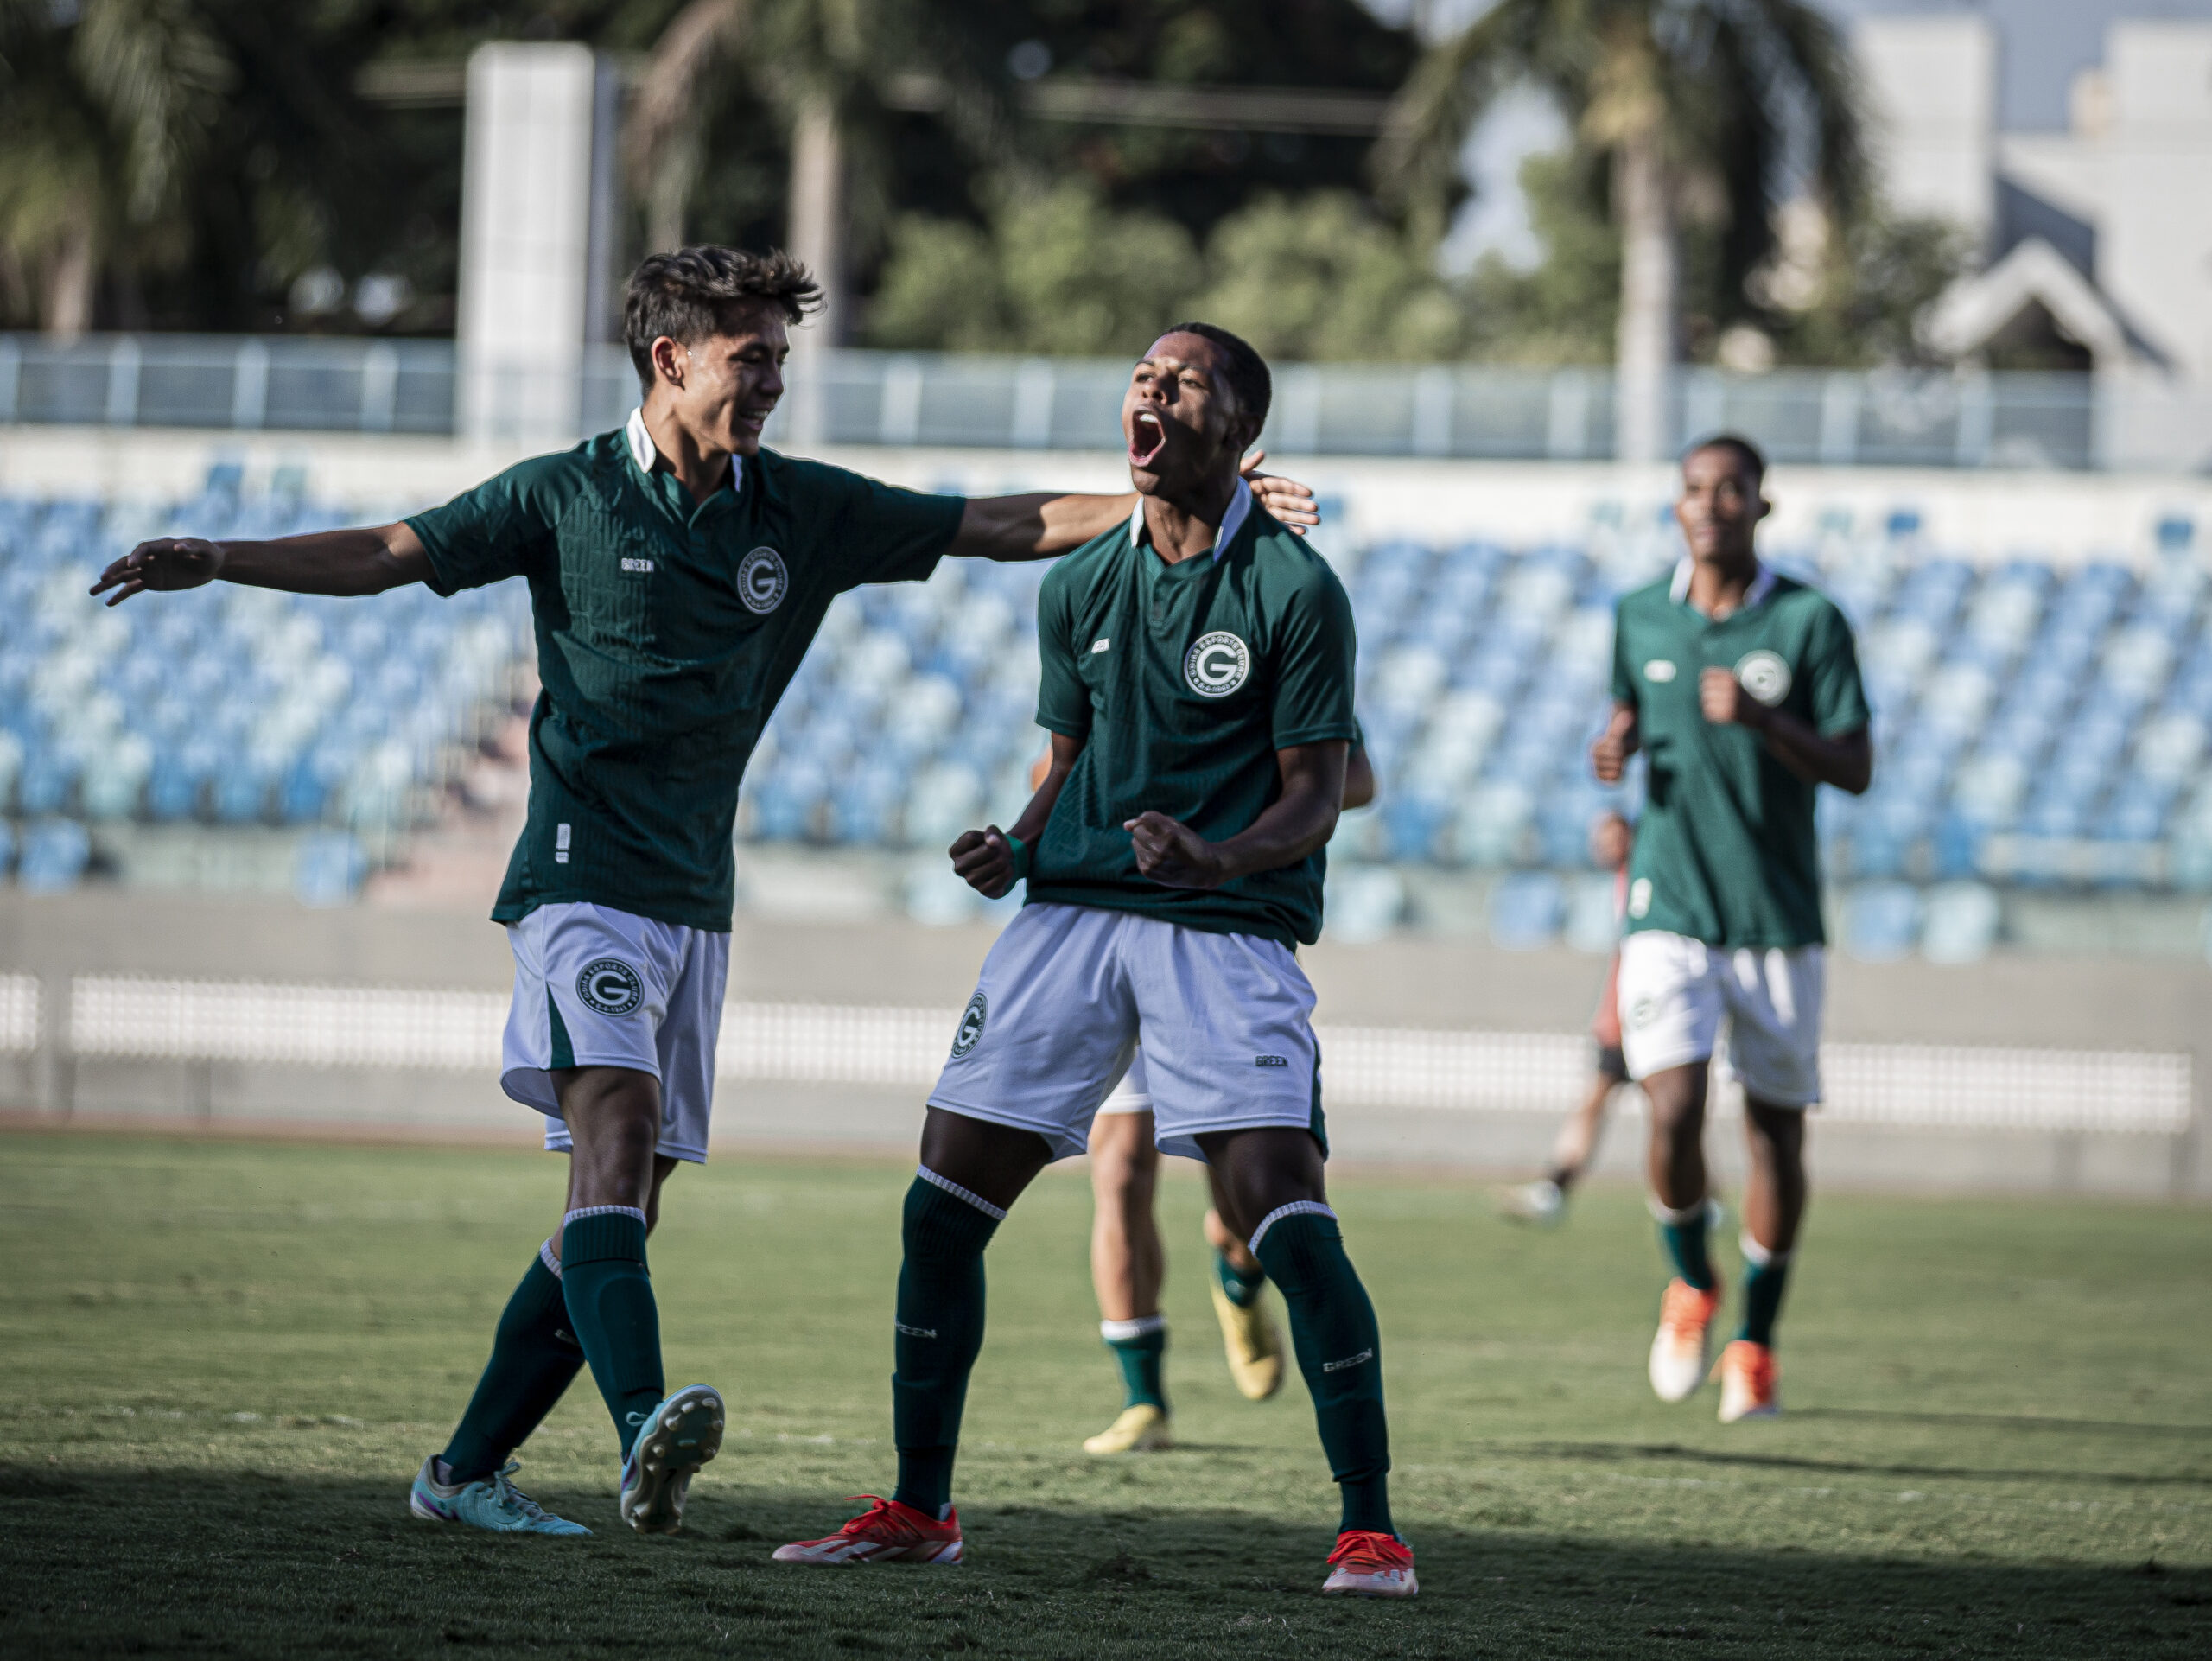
{"type": "Point", "coordinates": [1949, 1087]}
{"type": "Point", "coordinates": [1835, 417]}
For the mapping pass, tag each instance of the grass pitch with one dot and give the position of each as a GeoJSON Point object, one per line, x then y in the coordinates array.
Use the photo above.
{"type": "Point", "coordinates": [223, 1361]}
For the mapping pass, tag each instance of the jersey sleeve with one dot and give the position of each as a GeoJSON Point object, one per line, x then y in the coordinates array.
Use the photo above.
{"type": "Point", "coordinates": [1837, 695]}
{"type": "Point", "coordinates": [885, 534]}
{"type": "Point", "coordinates": [1623, 679]}
{"type": "Point", "coordinates": [1062, 701]}
{"type": "Point", "coordinates": [499, 530]}
{"type": "Point", "coordinates": [1316, 651]}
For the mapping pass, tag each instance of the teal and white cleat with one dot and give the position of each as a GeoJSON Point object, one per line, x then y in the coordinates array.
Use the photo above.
{"type": "Point", "coordinates": [679, 1436]}
{"type": "Point", "coordinates": [489, 1502]}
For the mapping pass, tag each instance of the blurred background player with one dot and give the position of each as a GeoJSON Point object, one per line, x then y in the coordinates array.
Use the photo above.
{"type": "Point", "coordinates": [1129, 1264]}
{"type": "Point", "coordinates": [678, 573]}
{"type": "Point", "coordinates": [1612, 839]}
{"type": "Point", "coordinates": [1741, 685]}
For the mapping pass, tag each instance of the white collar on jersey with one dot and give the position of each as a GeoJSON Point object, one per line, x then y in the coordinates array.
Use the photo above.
{"type": "Point", "coordinates": [1762, 585]}
{"type": "Point", "coordinates": [1240, 509]}
{"type": "Point", "coordinates": [645, 452]}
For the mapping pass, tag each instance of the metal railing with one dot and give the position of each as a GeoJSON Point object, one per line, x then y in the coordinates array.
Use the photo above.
{"type": "Point", "coordinates": [1881, 417]}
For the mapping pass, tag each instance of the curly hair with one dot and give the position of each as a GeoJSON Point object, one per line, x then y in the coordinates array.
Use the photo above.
{"type": "Point", "coordinates": [696, 292]}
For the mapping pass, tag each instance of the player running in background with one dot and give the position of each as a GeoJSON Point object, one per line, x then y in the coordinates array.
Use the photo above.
{"type": "Point", "coordinates": [1742, 687]}
{"type": "Point", "coordinates": [677, 574]}
{"type": "Point", "coordinates": [1129, 1264]}
{"type": "Point", "coordinates": [1198, 685]}
{"type": "Point", "coordinates": [1544, 1201]}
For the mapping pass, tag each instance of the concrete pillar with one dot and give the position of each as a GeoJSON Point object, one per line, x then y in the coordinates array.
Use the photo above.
{"type": "Point", "coordinates": [537, 225]}
{"type": "Point", "coordinates": [1931, 85]}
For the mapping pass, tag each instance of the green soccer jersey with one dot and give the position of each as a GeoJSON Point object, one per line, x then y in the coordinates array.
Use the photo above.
{"type": "Point", "coordinates": [666, 631]}
{"type": "Point", "coordinates": [1183, 680]}
{"type": "Point", "coordinates": [1725, 851]}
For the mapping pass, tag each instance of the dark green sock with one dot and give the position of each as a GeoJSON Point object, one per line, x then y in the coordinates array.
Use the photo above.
{"type": "Point", "coordinates": [1686, 1240]}
{"type": "Point", "coordinates": [611, 1309]}
{"type": "Point", "coordinates": [534, 1357]}
{"type": "Point", "coordinates": [1765, 1276]}
{"type": "Point", "coordinates": [1240, 1288]}
{"type": "Point", "coordinates": [1141, 1354]}
{"type": "Point", "coordinates": [1340, 1351]}
{"type": "Point", "coordinates": [940, 1332]}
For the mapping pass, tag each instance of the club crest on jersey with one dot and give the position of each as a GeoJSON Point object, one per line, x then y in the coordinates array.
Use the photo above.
{"type": "Point", "coordinates": [610, 986]}
{"type": "Point", "coordinates": [971, 1024]}
{"type": "Point", "coordinates": [1217, 664]}
{"type": "Point", "coordinates": [762, 580]}
{"type": "Point", "coordinates": [1765, 676]}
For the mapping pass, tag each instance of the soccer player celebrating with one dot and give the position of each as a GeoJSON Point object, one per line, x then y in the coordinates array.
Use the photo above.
{"type": "Point", "coordinates": [1544, 1201]}
{"type": "Point", "coordinates": [1128, 1265]}
{"type": "Point", "coordinates": [1197, 687]}
{"type": "Point", "coordinates": [1742, 687]}
{"type": "Point", "coordinates": [677, 573]}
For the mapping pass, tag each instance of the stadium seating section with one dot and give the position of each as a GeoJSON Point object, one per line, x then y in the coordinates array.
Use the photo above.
{"type": "Point", "coordinates": [2038, 724]}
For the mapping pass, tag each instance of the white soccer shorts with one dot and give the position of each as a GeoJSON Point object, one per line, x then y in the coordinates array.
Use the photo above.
{"type": "Point", "coordinates": [600, 988]}
{"type": "Point", "coordinates": [1675, 992]}
{"type": "Point", "coordinates": [1226, 1020]}
{"type": "Point", "coordinates": [1133, 1094]}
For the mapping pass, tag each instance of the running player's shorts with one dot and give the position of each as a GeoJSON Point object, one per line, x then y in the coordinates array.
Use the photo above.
{"type": "Point", "coordinates": [600, 988]}
{"type": "Point", "coordinates": [1133, 1094]}
{"type": "Point", "coordinates": [1610, 1063]}
{"type": "Point", "coordinates": [1675, 992]}
{"type": "Point", "coordinates": [1226, 1019]}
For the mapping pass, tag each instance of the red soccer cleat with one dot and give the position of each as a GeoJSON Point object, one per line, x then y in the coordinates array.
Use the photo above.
{"type": "Point", "coordinates": [887, 1532]}
{"type": "Point", "coordinates": [1369, 1564]}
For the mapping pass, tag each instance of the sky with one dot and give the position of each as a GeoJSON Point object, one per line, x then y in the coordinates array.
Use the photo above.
{"type": "Point", "coordinates": [2042, 45]}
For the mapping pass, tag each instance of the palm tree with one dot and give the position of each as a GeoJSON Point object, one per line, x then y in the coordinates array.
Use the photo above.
{"type": "Point", "coordinates": [1718, 104]}
{"type": "Point", "coordinates": [821, 62]}
{"type": "Point", "coordinates": [105, 108]}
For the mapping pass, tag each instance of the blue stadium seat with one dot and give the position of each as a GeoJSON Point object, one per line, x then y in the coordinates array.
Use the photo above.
{"type": "Point", "coordinates": [54, 856]}
{"type": "Point", "coordinates": [1881, 920]}
{"type": "Point", "coordinates": [1526, 909]}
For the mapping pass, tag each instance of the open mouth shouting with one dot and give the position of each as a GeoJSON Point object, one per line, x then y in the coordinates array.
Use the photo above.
{"type": "Point", "coordinates": [1147, 438]}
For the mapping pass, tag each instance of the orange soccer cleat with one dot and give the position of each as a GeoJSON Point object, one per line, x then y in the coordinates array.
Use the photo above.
{"type": "Point", "coordinates": [1749, 1382]}
{"type": "Point", "coordinates": [1678, 1350]}
{"type": "Point", "coordinates": [887, 1532]}
{"type": "Point", "coordinates": [1369, 1564]}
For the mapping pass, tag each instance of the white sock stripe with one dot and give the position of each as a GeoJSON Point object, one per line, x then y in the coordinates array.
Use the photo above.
{"type": "Point", "coordinates": [1122, 1331]}
{"type": "Point", "coordinates": [602, 1210]}
{"type": "Point", "coordinates": [997, 1213]}
{"type": "Point", "coordinates": [1296, 1208]}
{"type": "Point", "coordinates": [1688, 1214]}
{"type": "Point", "coordinates": [550, 1259]}
{"type": "Point", "coordinates": [1757, 1255]}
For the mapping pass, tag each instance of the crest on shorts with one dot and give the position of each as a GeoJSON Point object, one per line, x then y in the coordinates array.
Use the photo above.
{"type": "Point", "coordinates": [1765, 676]}
{"type": "Point", "coordinates": [762, 581]}
{"type": "Point", "coordinates": [610, 986]}
{"type": "Point", "coordinates": [1217, 664]}
{"type": "Point", "coordinates": [971, 1024]}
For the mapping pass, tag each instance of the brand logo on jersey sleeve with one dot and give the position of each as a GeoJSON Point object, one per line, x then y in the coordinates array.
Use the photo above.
{"type": "Point", "coordinates": [971, 1025]}
{"type": "Point", "coordinates": [1217, 664]}
{"type": "Point", "coordinates": [762, 581]}
{"type": "Point", "coordinates": [610, 986]}
{"type": "Point", "coordinates": [1765, 676]}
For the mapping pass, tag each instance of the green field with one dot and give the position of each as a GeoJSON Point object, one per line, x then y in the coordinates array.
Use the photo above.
{"type": "Point", "coordinates": [223, 1361]}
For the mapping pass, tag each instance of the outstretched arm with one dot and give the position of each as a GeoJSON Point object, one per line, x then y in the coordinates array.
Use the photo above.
{"type": "Point", "coordinates": [367, 560]}
{"type": "Point", "coordinates": [1044, 527]}
{"type": "Point", "coordinates": [1845, 761]}
{"type": "Point", "coordinates": [1299, 821]}
{"type": "Point", "coordinates": [984, 859]}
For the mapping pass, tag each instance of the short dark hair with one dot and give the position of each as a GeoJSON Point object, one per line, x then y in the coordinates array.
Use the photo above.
{"type": "Point", "coordinates": [1747, 454]}
{"type": "Point", "coordinates": [694, 293]}
{"type": "Point", "coordinates": [1247, 371]}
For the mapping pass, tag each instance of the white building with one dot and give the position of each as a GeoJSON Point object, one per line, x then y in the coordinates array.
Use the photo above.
{"type": "Point", "coordinates": [2107, 227]}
